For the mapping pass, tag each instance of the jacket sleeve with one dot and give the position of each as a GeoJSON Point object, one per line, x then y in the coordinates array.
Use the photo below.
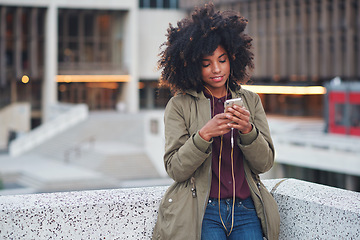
{"type": "Point", "coordinates": [184, 153]}
{"type": "Point", "coordinates": [260, 152]}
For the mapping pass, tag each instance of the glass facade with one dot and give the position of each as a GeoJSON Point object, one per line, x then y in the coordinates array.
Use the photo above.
{"type": "Point", "coordinates": [90, 42]}
{"type": "Point", "coordinates": [173, 4]}
{"type": "Point", "coordinates": [22, 54]}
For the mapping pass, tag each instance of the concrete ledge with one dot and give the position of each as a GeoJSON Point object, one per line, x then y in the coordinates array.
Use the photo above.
{"type": "Point", "coordinates": [314, 211]}
{"type": "Point", "coordinates": [307, 210]}
{"type": "Point", "coordinates": [104, 214]}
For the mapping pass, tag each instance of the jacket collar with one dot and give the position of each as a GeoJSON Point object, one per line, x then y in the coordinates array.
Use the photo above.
{"type": "Point", "coordinates": [195, 94]}
{"type": "Point", "coordinates": [200, 95]}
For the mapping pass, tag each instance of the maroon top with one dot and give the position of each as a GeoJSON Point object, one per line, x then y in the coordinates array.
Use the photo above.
{"type": "Point", "coordinates": [241, 187]}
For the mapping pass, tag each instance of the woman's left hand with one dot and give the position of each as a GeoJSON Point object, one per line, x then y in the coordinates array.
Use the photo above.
{"type": "Point", "coordinates": [240, 118]}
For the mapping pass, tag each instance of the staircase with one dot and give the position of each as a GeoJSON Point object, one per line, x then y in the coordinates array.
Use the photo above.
{"type": "Point", "coordinates": [107, 142]}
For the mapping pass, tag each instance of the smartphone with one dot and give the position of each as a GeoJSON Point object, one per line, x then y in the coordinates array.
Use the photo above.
{"type": "Point", "coordinates": [230, 102]}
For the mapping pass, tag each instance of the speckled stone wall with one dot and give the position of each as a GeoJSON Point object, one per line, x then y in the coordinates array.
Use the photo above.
{"type": "Point", "coordinates": [105, 214]}
{"type": "Point", "coordinates": [314, 211]}
{"type": "Point", "coordinates": [307, 211]}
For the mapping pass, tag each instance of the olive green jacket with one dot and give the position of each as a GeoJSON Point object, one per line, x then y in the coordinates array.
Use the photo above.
{"type": "Point", "coordinates": [187, 160]}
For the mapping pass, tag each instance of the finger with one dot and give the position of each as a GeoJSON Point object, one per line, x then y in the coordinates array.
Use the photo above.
{"type": "Point", "coordinates": [239, 126]}
{"type": "Point", "coordinates": [223, 129]}
{"type": "Point", "coordinates": [221, 115]}
{"type": "Point", "coordinates": [239, 111]}
{"type": "Point", "coordinates": [235, 113]}
{"type": "Point", "coordinates": [231, 113]}
{"type": "Point", "coordinates": [226, 129]}
{"type": "Point", "coordinates": [242, 110]}
{"type": "Point", "coordinates": [237, 117]}
{"type": "Point", "coordinates": [235, 126]}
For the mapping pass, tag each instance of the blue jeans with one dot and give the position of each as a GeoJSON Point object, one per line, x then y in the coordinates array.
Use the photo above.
{"type": "Point", "coordinates": [246, 222]}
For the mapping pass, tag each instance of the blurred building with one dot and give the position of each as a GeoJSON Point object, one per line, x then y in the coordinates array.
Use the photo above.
{"type": "Point", "coordinates": [59, 57]}
{"type": "Point", "coordinates": [299, 43]}
{"type": "Point", "coordinates": [98, 53]}
{"type": "Point", "coordinates": [105, 53]}
{"type": "Point", "coordinates": [90, 45]}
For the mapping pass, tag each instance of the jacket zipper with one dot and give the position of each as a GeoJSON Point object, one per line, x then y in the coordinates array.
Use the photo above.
{"type": "Point", "coordinates": [193, 189]}
{"type": "Point", "coordinates": [262, 203]}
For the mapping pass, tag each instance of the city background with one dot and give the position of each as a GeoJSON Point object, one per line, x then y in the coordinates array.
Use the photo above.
{"type": "Point", "coordinates": [80, 107]}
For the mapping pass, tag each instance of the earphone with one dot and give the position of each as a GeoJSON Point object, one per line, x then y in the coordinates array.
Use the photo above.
{"type": "Point", "coordinates": [232, 166]}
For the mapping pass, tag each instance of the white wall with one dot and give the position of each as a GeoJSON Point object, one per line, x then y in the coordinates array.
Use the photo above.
{"type": "Point", "coordinates": [155, 139]}
{"type": "Point", "coordinates": [153, 25]}
{"type": "Point", "coordinates": [15, 117]}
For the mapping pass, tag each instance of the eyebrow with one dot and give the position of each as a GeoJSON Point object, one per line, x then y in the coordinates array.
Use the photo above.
{"type": "Point", "coordinates": [205, 59]}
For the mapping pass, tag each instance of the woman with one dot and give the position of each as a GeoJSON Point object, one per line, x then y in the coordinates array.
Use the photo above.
{"type": "Point", "coordinates": [214, 156]}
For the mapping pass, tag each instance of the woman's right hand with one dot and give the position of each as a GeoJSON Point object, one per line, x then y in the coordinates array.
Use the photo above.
{"type": "Point", "coordinates": [217, 126]}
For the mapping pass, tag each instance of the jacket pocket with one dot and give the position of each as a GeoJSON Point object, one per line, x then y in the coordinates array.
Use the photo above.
{"type": "Point", "coordinates": [178, 212]}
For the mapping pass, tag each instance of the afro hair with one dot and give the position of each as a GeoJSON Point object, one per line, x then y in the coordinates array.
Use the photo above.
{"type": "Point", "coordinates": [198, 36]}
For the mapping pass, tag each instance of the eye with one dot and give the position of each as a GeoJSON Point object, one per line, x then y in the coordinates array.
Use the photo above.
{"type": "Point", "coordinates": [204, 64]}
{"type": "Point", "coordinates": [223, 60]}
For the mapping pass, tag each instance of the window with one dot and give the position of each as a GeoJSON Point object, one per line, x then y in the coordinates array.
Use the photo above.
{"type": "Point", "coordinates": [165, 4]}
{"type": "Point", "coordinates": [355, 116]}
{"type": "Point", "coordinates": [340, 114]}
{"type": "Point", "coordinates": [86, 39]}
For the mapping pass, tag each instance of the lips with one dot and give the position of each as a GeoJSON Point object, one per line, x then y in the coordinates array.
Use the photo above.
{"type": "Point", "coordinates": [217, 78]}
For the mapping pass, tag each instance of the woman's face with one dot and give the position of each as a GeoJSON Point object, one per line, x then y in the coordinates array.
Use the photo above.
{"type": "Point", "coordinates": [215, 71]}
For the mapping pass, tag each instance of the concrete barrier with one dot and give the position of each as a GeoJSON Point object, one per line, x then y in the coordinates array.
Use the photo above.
{"type": "Point", "coordinates": [307, 211]}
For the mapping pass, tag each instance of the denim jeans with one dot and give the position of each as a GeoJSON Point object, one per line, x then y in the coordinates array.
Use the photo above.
{"type": "Point", "coordinates": [246, 223]}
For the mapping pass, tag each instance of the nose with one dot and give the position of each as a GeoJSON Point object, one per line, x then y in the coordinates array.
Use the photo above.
{"type": "Point", "coordinates": [216, 68]}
